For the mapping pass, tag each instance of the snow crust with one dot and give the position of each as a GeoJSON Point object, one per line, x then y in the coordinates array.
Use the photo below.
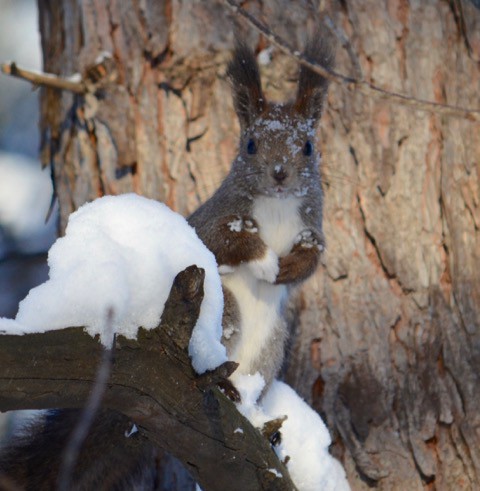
{"type": "Point", "coordinates": [235, 225]}
{"type": "Point", "coordinates": [304, 436]}
{"type": "Point", "coordinates": [123, 253]}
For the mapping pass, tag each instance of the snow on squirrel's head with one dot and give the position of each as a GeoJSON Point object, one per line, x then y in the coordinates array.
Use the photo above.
{"type": "Point", "coordinates": [277, 155]}
{"type": "Point", "coordinates": [123, 253]}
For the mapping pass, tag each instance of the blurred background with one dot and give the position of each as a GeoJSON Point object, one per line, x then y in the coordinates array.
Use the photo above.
{"type": "Point", "coordinates": [25, 189]}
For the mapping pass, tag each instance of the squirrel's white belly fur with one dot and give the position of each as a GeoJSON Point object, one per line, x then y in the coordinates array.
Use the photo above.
{"type": "Point", "coordinates": [260, 302]}
{"type": "Point", "coordinates": [279, 222]}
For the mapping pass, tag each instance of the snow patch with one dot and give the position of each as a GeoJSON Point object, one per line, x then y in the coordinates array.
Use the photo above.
{"type": "Point", "coordinates": [229, 331]}
{"type": "Point", "coordinates": [75, 78]}
{"type": "Point", "coordinates": [131, 431]}
{"type": "Point", "coordinates": [250, 388]}
{"type": "Point", "coordinates": [275, 472]}
{"type": "Point", "coordinates": [104, 55]}
{"type": "Point", "coordinates": [301, 192]}
{"type": "Point", "coordinates": [13, 327]}
{"type": "Point", "coordinates": [235, 225]}
{"type": "Point", "coordinates": [273, 125]}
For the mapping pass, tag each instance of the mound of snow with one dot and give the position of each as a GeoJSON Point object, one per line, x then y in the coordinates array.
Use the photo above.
{"type": "Point", "coordinates": [304, 437]}
{"type": "Point", "coordinates": [123, 253]}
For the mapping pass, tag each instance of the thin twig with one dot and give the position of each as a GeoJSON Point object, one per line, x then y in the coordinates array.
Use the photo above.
{"type": "Point", "coordinates": [87, 416]}
{"type": "Point", "coordinates": [44, 79]}
{"type": "Point", "coordinates": [352, 84]}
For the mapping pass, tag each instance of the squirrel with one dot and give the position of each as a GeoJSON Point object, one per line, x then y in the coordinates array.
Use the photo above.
{"type": "Point", "coordinates": [264, 223]}
{"type": "Point", "coordinates": [264, 226]}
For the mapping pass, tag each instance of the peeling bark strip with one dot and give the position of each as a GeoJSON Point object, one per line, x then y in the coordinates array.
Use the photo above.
{"type": "Point", "coordinates": [392, 318]}
{"type": "Point", "coordinates": [152, 383]}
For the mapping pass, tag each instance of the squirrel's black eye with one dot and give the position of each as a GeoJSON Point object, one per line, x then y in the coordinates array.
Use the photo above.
{"type": "Point", "coordinates": [308, 148]}
{"type": "Point", "coordinates": [251, 147]}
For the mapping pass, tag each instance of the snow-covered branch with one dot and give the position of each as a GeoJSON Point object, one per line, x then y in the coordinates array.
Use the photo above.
{"type": "Point", "coordinates": [122, 255]}
{"type": "Point", "coordinates": [153, 383]}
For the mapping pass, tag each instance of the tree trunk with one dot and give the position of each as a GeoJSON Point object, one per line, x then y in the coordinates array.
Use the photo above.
{"type": "Point", "coordinates": [386, 343]}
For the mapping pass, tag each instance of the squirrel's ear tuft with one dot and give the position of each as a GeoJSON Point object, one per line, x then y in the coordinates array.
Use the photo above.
{"type": "Point", "coordinates": [312, 87]}
{"type": "Point", "coordinates": [244, 75]}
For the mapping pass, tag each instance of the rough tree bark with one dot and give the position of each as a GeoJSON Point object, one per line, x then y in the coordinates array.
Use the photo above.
{"type": "Point", "coordinates": [387, 340]}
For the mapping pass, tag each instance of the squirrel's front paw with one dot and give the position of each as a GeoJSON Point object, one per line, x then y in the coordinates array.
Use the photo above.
{"type": "Point", "coordinates": [307, 239]}
{"type": "Point", "coordinates": [235, 240]}
{"type": "Point", "coordinates": [265, 268]}
{"type": "Point", "coordinates": [302, 260]}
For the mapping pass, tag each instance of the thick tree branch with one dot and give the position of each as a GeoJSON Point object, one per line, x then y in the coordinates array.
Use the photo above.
{"type": "Point", "coordinates": [352, 84]}
{"type": "Point", "coordinates": [151, 382]}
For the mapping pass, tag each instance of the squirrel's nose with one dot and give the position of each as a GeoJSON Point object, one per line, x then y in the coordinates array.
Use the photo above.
{"type": "Point", "coordinates": [279, 174]}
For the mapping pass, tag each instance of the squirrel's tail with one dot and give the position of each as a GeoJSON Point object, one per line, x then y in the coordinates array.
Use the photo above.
{"type": "Point", "coordinates": [112, 457]}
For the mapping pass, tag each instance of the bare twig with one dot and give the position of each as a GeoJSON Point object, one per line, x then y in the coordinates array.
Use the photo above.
{"type": "Point", "coordinates": [352, 84]}
{"type": "Point", "coordinates": [44, 79]}
{"type": "Point", "coordinates": [87, 416]}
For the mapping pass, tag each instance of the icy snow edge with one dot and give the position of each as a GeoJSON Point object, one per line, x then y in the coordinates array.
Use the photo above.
{"type": "Point", "coordinates": [123, 253]}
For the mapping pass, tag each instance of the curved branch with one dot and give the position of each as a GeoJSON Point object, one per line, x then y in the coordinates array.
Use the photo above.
{"type": "Point", "coordinates": [151, 382]}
